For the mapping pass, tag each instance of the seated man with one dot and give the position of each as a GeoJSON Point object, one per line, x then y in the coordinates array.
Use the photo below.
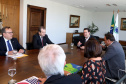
{"type": "Point", "coordinates": [41, 38]}
{"type": "Point", "coordinates": [85, 38]}
{"type": "Point", "coordinates": [8, 43]}
{"type": "Point", "coordinates": [51, 59]}
{"type": "Point", "coordinates": [114, 57]}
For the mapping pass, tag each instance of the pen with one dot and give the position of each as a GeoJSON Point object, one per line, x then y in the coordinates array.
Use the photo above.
{"type": "Point", "coordinates": [39, 81]}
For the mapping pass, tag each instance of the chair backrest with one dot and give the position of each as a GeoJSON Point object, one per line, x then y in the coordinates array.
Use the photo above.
{"type": "Point", "coordinates": [122, 80]}
{"type": "Point", "coordinates": [29, 46]}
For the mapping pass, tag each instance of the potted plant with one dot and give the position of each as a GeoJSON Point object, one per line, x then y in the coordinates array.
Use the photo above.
{"type": "Point", "coordinates": [93, 28]}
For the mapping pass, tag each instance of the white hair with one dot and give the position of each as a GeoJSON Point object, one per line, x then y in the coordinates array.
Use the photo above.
{"type": "Point", "coordinates": [51, 60]}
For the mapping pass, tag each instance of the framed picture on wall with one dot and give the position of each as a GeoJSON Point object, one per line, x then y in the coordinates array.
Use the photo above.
{"type": "Point", "coordinates": [123, 24]}
{"type": "Point", "coordinates": [74, 21]}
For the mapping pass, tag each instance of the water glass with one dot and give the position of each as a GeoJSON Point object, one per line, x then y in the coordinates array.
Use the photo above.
{"type": "Point", "coordinates": [15, 52]}
{"type": "Point", "coordinates": [72, 44]}
{"type": "Point", "coordinates": [103, 43]}
{"type": "Point", "coordinates": [12, 72]}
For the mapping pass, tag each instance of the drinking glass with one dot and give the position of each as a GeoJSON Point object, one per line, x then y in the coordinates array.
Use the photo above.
{"type": "Point", "coordinates": [12, 72]}
{"type": "Point", "coordinates": [103, 43]}
{"type": "Point", "coordinates": [72, 44]}
{"type": "Point", "coordinates": [15, 52]}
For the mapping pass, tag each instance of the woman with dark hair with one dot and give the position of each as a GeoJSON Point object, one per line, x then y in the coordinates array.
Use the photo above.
{"type": "Point", "coordinates": [93, 70]}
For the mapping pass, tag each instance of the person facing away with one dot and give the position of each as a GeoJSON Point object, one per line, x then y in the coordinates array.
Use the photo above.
{"type": "Point", "coordinates": [51, 59]}
{"type": "Point", "coordinates": [85, 38]}
{"type": "Point", "coordinates": [8, 43]}
{"type": "Point", "coordinates": [40, 39]}
{"type": "Point", "coordinates": [114, 57]}
{"type": "Point", "coordinates": [93, 71]}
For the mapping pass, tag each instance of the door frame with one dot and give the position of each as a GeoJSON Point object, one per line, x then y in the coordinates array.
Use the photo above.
{"type": "Point", "coordinates": [28, 18]}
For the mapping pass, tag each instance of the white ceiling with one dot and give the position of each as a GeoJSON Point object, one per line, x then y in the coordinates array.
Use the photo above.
{"type": "Point", "coordinates": [96, 5]}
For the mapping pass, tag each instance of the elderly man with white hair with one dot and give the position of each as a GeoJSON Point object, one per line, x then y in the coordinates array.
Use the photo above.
{"type": "Point", "coordinates": [52, 61]}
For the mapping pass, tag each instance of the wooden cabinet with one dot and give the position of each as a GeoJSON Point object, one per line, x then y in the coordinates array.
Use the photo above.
{"type": "Point", "coordinates": [10, 17]}
{"type": "Point", "coordinates": [69, 36]}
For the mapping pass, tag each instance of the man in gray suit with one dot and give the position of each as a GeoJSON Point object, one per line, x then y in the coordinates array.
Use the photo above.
{"type": "Point", "coordinates": [114, 57]}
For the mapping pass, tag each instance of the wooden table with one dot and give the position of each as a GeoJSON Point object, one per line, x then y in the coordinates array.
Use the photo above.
{"type": "Point", "coordinates": [28, 66]}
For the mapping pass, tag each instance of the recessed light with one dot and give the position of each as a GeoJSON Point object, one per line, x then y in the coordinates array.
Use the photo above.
{"type": "Point", "coordinates": [81, 6]}
{"type": "Point", "coordinates": [77, 6]}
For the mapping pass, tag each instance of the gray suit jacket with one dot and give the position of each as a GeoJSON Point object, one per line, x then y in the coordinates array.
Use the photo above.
{"type": "Point", "coordinates": [115, 60]}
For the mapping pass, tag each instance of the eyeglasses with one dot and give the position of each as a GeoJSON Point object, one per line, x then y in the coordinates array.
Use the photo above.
{"type": "Point", "coordinates": [9, 32]}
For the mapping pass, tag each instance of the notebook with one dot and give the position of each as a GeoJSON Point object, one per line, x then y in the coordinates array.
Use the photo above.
{"type": "Point", "coordinates": [31, 80]}
{"type": "Point", "coordinates": [72, 68]}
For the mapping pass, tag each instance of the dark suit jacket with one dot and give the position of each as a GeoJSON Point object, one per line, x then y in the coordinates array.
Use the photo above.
{"type": "Point", "coordinates": [58, 79]}
{"type": "Point", "coordinates": [82, 39]}
{"type": "Point", "coordinates": [115, 60]}
{"type": "Point", "coordinates": [3, 48]}
{"type": "Point", "coordinates": [37, 44]}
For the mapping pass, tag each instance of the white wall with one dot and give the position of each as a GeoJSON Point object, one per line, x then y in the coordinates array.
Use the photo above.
{"type": "Point", "coordinates": [57, 19]}
{"type": "Point", "coordinates": [103, 21]}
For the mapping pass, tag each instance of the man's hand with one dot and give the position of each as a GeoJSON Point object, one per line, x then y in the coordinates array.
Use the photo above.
{"type": "Point", "coordinates": [21, 51]}
{"type": "Point", "coordinates": [10, 52]}
{"type": "Point", "coordinates": [103, 46]}
{"type": "Point", "coordinates": [42, 80]}
{"type": "Point", "coordinates": [82, 47]}
{"type": "Point", "coordinates": [79, 43]}
{"type": "Point", "coordinates": [66, 73]}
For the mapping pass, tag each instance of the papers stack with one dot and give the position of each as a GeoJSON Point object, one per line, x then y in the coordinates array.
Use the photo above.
{"type": "Point", "coordinates": [18, 55]}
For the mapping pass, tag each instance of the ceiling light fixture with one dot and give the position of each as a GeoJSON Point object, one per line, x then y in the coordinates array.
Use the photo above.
{"type": "Point", "coordinates": [114, 4]}
{"type": "Point", "coordinates": [108, 5]}
{"type": "Point", "coordinates": [81, 6]}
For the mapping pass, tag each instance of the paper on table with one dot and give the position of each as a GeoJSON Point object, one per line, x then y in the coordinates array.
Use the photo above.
{"type": "Point", "coordinates": [31, 80]}
{"type": "Point", "coordinates": [23, 82]}
{"type": "Point", "coordinates": [18, 55]}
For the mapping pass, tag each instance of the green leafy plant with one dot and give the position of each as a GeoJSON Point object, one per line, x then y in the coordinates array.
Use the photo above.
{"type": "Point", "coordinates": [93, 28]}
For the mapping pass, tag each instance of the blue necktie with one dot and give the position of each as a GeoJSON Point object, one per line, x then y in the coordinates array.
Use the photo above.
{"type": "Point", "coordinates": [9, 46]}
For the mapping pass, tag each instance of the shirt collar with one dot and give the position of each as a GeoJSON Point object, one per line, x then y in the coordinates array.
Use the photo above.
{"type": "Point", "coordinates": [111, 43]}
{"type": "Point", "coordinates": [5, 39]}
{"type": "Point", "coordinates": [87, 38]}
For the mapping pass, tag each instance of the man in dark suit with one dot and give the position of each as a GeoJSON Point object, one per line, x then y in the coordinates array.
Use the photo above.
{"type": "Point", "coordinates": [114, 57]}
{"type": "Point", "coordinates": [84, 38]}
{"type": "Point", "coordinates": [41, 38]}
{"type": "Point", "coordinates": [51, 59]}
{"type": "Point", "coordinates": [8, 43]}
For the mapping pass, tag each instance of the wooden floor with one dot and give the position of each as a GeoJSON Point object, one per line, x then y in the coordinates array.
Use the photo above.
{"type": "Point", "coordinates": [28, 66]}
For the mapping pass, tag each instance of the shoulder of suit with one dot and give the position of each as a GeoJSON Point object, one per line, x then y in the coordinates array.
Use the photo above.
{"type": "Point", "coordinates": [14, 39]}
{"type": "Point", "coordinates": [1, 38]}
{"type": "Point", "coordinates": [36, 35]}
{"type": "Point", "coordinates": [46, 35]}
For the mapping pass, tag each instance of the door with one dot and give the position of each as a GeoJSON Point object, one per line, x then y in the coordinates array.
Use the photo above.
{"type": "Point", "coordinates": [36, 18]}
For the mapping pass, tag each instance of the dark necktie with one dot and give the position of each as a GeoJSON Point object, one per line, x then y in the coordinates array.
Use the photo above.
{"type": "Point", "coordinates": [9, 46]}
{"type": "Point", "coordinates": [42, 41]}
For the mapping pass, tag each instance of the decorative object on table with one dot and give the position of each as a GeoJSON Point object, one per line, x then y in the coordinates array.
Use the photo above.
{"type": "Point", "coordinates": [93, 28]}
{"type": "Point", "coordinates": [72, 68]}
{"type": "Point", "coordinates": [123, 24]}
{"type": "Point", "coordinates": [76, 31]}
{"type": "Point", "coordinates": [74, 21]}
